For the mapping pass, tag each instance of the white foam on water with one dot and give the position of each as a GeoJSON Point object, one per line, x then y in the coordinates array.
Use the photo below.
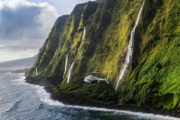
{"type": "Point", "coordinates": [21, 79]}
{"type": "Point", "coordinates": [46, 97]}
{"type": "Point", "coordinates": [141, 114]}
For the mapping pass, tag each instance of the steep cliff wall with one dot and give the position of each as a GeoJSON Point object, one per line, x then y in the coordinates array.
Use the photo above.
{"type": "Point", "coordinates": [94, 40]}
{"type": "Point", "coordinates": [48, 50]}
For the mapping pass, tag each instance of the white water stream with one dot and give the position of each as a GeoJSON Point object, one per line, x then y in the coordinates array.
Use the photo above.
{"type": "Point", "coordinates": [66, 63]}
{"type": "Point", "coordinates": [36, 71]}
{"type": "Point", "coordinates": [128, 58]}
{"type": "Point", "coordinates": [71, 69]}
{"type": "Point", "coordinates": [84, 34]}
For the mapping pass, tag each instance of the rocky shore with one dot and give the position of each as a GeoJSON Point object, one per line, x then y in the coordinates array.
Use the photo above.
{"type": "Point", "coordinates": [77, 99]}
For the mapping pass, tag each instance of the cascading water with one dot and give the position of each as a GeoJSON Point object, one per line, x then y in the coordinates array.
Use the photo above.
{"type": "Point", "coordinates": [128, 58]}
{"type": "Point", "coordinates": [36, 71]}
{"type": "Point", "coordinates": [66, 63]}
{"type": "Point", "coordinates": [53, 58]}
{"type": "Point", "coordinates": [71, 69]}
{"type": "Point", "coordinates": [84, 34]}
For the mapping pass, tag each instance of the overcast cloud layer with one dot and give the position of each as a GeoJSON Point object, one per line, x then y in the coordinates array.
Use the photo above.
{"type": "Point", "coordinates": [24, 25]}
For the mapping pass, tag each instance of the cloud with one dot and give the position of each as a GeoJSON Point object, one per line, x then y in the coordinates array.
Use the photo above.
{"type": "Point", "coordinates": [24, 26]}
{"type": "Point", "coordinates": [7, 55]}
{"type": "Point", "coordinates": [25, 21]}
{"type": "Point", "coordinates": [63, 6]}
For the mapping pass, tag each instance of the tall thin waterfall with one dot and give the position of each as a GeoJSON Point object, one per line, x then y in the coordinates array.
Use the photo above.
{"type": "Point", "coordinates": [129, 54]}
{"type": "Point", "coordinates": [66, 63]}
{"type": "Point", "coordinates": [36, 71]}
{"type": "Point", "coordinates": [71, 69]}
{"type": "Point", "coordinates": [84, 34]}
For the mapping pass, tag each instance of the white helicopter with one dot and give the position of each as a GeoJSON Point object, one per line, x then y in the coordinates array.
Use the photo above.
{"type": "Point", "coordinates": [92, 79]}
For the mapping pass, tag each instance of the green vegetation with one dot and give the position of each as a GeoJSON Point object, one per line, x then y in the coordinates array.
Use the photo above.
{"type": "Point", "coordinates": [154, 76]}
{"type": "Point", "coordinates": [99, 92]}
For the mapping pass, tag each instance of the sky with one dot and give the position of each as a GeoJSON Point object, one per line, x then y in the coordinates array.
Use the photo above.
{"type": "Point", "coordinates": [25, 25]}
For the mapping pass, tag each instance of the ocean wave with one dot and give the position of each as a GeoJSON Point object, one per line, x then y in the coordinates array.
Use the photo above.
{"type": "Point", "coordinates": [14, 106]}
{"type": "Point", "coordinates": [40, 91]}
{"type": "Point", "coordinates": [46, 97]}
{"type": "Point", "coordinates": [141, 114]}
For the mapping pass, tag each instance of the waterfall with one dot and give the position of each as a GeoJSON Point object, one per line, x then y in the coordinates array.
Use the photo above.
{"type": "Point", "coordinates": [71, 70]}
{"type": "Point", "coordinates": [129, 54]}
{"type": "Point", "coordinates": [36, 71]}
{"type": "Point", "coordinates": [55, 55]}
{"type": "Point", "coordinates": [84, 33]}
{"type": "Point", "coordinates": [65, 67]}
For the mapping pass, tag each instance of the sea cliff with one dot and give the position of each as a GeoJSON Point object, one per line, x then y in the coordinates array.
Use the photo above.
{"type": "Point", "coordinates": [96, 38]}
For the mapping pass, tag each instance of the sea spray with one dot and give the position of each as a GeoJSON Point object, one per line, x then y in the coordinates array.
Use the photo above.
{"type": "Point", "coordinates": [45, 97]}
{"type": "Point", "coordinates": [66, 63]}
{"type": "Point", "coordinates": [129, 54]}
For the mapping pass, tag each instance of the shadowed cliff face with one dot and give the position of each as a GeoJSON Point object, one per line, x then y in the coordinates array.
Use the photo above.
{"type": "Point", "coordinates": [153, 76]}
{"type": "Point", "coordinates": [49, 48]}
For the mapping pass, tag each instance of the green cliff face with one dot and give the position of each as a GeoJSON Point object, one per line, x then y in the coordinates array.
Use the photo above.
{"type": "Point", "coordinates": [50, 46]}
{"type": "Point", "coordinates": [155, 79]}
{"type": "Point", "coordinates": [95, 37]}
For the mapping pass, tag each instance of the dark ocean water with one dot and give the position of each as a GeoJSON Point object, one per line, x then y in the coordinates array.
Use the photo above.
{"type": "Point", "coordinates": [22, 101]}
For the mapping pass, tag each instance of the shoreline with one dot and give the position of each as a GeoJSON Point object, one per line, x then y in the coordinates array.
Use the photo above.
{"type": "Point", "coordinates": [77, 100]}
